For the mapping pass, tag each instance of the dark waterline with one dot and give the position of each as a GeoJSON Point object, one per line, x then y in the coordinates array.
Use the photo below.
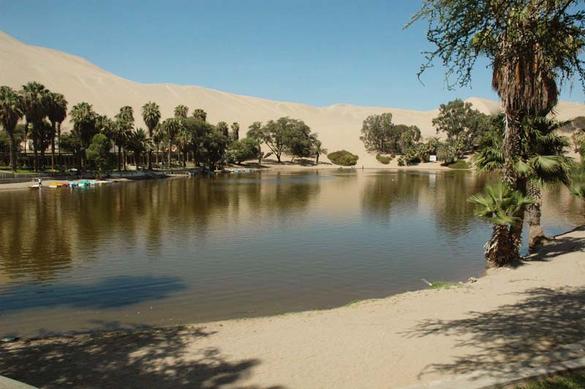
{"type": "Point", "coordinates": [200, 249]}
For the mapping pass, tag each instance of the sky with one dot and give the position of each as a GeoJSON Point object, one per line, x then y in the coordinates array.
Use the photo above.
{"type": "Point", "coordinates": [319, 52]}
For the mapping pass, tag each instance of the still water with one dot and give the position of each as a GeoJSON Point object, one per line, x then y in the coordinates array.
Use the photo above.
{"type": "Point", "coordinates": [199, 249]}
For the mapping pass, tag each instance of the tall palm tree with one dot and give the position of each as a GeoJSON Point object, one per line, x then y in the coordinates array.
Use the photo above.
{"type": "Point", "coordinates": [500, 206]}
{"type": "Point", "coordinates": [34, 104]}
{"type": "Point", "coordinates": [170, 128]}
{"type": "Point", "coordinates": [57, 112]}
{"type": "Point", "coordinates": [531, 44]}
{"type": "Point", "coordinates": [124, 126]}
{"type": "Point", "coordinates": [84, 127]}
{"type": "Point", "coordinates": [151, 117]}
{"type": "Point", "coordinates": [181, 111]}
{"type": "Point", "coordinates": [138, 143]}
{"type": "Point", "coordinates": [10, 113]}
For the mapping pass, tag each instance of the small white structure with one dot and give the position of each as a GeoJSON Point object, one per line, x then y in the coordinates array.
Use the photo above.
{"type": "Point", "coordinates": [433, 158]}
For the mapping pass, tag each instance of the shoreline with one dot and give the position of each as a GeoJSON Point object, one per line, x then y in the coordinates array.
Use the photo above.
{"type": "Point", "coordinates": [404, 339]}
{"type": "Point", "coordinates": [425, 167]}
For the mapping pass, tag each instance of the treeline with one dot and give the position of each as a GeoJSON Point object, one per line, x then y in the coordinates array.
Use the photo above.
{"type": "Point", "coordinates": [463, 127]}
{"type": "Point", "coordinates": [34, 116]}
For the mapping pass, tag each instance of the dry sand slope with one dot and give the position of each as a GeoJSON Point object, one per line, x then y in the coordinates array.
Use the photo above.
{"type": "Point", "coordinates": [337, 125]}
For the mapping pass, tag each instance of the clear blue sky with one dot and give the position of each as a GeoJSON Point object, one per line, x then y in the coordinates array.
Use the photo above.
{"type": "Point", "coordinates": [313, 51]}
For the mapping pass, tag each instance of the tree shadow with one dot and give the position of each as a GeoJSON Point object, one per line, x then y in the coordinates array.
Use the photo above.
{"type": "Point", "coordinates": [559, 245]}
{"type": "Point", "coordinates": [547, 327]}
{"type": "Point", "coordinates": [110, 293]}
{"type": "Point", "coordinates": [138, 358]}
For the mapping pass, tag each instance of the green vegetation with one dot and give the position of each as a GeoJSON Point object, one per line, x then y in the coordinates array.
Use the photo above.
{"type": "Point", "coordinates": [166, 142]}
{"type": "Point", "coordinates": [243, 150]}
{"type": "Point", "coordinates": [565, 380]}
{"type": "Point", "coordinates": [98, 153]}
{"type": "Point", "coordinates": [532, 47]}
{"type": "Point", "coordinates": [443, 285]}
{"type": "Point", "coordinates": [499, 205]}
{"type": "Point", "coordinates": [343, 158]}
{"type": "Point", "coordinates": [380, 134]}
{"type": "Point", "coordinates": [384, 159]}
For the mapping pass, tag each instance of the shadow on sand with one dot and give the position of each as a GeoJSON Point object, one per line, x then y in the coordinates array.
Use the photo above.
{"type": "Point", "coordinates": [140, 358]}
{"type": "Point", "coordinates": [547, 326]}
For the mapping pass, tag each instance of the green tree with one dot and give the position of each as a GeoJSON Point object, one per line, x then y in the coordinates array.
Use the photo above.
{"type": "Point", "coordinates": [200, 114]}
{"type": "Point", "coordinates": [544, 162]}
{"type": "Point", "coordinates": [317, 148]}
{"type": "Point", "coordinates": [10, 113]}
{"type": "Point", "coordinates": [34, 105]}
{"type": "Point", "coordinates": [235, 135]}
{"type": "Point", "coordinates": [138, 143]}
{"type": "Point", "coordinates": [123, 129]}
{"type": "Point", "coordinates": [56, 113]}
{"type": "Point", "coordinates": [171, 128]}
{"type": "Point", "coordinates": [181, 111]}
{"type": "Point", "coordinates": [223, 128]}
{"type": "Point", "coordinates": [84, 128]}
{"type": "Point", "coordinates": [377, 133]}
{"type": "Point", "coordinates": [98, 153]}
{"type": "Point", "coordinates": [499, 205]}
{"type": "Point", "coordinates": [243, 150]}
{"type": "Point", "coordinates": [461, 122]}
{"type": "Point", "coordinates": [151, 117]}
{"type": "Point", "coordinates": [531, 45]}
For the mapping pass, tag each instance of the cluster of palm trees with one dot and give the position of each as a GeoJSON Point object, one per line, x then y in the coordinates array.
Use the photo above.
{"type": "Point", "coordinates": [181, 138]}
{"type": "Point", "coordinates": [43, 112]}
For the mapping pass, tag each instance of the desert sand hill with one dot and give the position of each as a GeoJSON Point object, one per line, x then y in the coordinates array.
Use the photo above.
{"type": "Point", "coordinates": [338, 125]}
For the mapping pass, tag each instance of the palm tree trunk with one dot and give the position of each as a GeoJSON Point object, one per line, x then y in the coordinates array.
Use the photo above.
{"type": "Point", "coordinates": [512, 152]}
{"type": "Point", "coordinates": [535, 233]}
{"type": "Point", "coordinates": [59, 145]}
{"type": "Point", "coordinates": [53, 147]}
{"type": "Point", "coordinates": [12, 146]}
{"type": "Point", "coordinates": [499, 249]}
{"type": "Point", "coordinates": [119, 158]}
{"type": "Point", "coordinates": [169, 157]}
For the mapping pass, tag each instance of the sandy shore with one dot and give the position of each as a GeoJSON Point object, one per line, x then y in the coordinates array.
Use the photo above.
{"type": "Point", "coordinates": [508, 320]}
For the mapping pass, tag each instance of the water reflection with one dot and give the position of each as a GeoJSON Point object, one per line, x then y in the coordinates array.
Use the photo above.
{"type": "Point", "coordinates": [234, 246]}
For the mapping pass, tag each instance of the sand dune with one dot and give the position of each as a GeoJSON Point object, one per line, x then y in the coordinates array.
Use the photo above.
{"type": "Point", "coordinates": [337, 125]}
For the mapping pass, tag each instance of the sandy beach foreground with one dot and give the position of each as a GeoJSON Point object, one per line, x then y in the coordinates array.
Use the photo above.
{"type": "Point", "coordinates": [507, 321]}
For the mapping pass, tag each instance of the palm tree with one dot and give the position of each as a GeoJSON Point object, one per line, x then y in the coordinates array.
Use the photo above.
{"type": "Point", "coordinates": [57, 112]}
{"type": "Point", "coordinates": [34, 106]}
{"type": "Point", "coordinates": [170, 128]}
{"type": "Point", "coordinates": [84, 126]}
{"type": "Point", "coordinates": [181, 111]}
{"type": "Point", "coordinates": [317, 147]}
{"type": "Point", "coordinates": [200, 114]}
{"type": "Point", "coordinates": [151, 117]}
{"type": "Point", "coordinates": [10, 113]}
{"type": "Point", "coordinates": [184, 138]}
{"type": "Point", "coordinates": [532, 45]}
{"type": "Point", "coordinates": [500, 206]}
{"type": "Point", "coordinates": [123, 128]}
{"type": "Point", "coordinates": [137, 142]}
{"type": "Point", "coordinates": [544, 163]}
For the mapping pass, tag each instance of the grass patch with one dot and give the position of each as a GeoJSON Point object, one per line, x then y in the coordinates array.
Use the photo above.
{"type": "Point", "coordinates": [443, 285]}
{"type": "Point", "coordinates": [568, 380]}
{"type": "Point", "coordinates": [461, 164]}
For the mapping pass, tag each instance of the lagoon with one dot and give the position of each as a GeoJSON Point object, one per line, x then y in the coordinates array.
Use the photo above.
{"type": "Point", "coordinates": [183, 250]}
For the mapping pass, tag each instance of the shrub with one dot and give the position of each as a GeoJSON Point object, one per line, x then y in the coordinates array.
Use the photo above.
{"type": "Point", "coordinates": [343, 158]}
{"type": "Point", "coordinates": [384, 159]}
